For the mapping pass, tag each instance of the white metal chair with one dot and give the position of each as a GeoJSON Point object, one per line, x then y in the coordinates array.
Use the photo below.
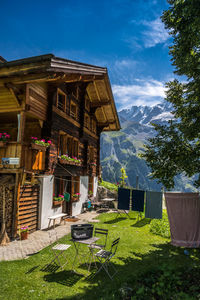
{"type": "Point", "coordinates": [58, 249]}
{"type": "Point", "coordinates": [104, 258]}
{"type": "Point", "coordinates": [97, 246]}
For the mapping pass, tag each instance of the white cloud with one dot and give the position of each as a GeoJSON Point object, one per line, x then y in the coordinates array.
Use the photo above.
{"type": "Point", "coordinates": [155, 33]}
{"type": "Point", "coordinates": [142, 92]}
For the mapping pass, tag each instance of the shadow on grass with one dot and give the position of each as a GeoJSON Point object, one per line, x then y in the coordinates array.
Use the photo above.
{"type": "Point", "coordinates": [116, 220]}
{"type": "Point", "coordinates": [142, 223]}
{"type": "Point", "coordinates": [50, 268]}
{"type": "Point", "coordinates": [131, 273]}
{"type": "Point", "coordinates": [32, 270]}
{"type": "Point", "coordinates": [67, 278]}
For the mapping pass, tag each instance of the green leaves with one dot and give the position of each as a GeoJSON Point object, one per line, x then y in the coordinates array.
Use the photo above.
{"type": "Point", "coordinates": [175, 148]}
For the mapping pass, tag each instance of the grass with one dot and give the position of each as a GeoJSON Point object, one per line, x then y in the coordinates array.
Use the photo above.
{"type": "Point", "coordinates": [108, 185]}
{"type": "Point", "coordinates": [140, 259]}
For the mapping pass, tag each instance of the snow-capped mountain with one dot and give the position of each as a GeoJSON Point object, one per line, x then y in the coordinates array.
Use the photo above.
{"type": "Point", "coordinates": [147, 114]}
{"type": "Point", "coordinates": [120, 149]}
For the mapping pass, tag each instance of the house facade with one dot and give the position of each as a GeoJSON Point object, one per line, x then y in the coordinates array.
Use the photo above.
{"type": "Point", "coordinates": [66, 104]}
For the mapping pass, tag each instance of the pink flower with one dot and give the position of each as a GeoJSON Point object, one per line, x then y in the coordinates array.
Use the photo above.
{"type": "Point", "coordinates": [8, 136]}
{"type": "Point", "coordinates": [42, 140]}
{"type": "Point", "coordinates": [4, 133]}
{"type": "Point", "coordinates": [49, 142]}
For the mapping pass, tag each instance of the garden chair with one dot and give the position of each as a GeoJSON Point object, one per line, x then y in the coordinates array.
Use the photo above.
{"type": "Point", "coordinates": [98, 246]}
{"type": "Point", "coordinates": [104, 257]}
{"type": "Point", "coordinates": [58, 250]}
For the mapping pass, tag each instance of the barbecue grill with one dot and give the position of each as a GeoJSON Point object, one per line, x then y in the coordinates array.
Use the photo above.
{"type": "Point", "coordinates": [81, 231]}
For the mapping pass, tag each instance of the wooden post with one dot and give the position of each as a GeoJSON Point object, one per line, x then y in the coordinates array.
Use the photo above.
{"type": "Point", "coordinates": [4, 239]}
{"type": "Point", "coordinates": [21, 126]}
{"type": "Point", "coordinates": [14, 217]}
{"type": "Point", "coordinates": [137, 182]}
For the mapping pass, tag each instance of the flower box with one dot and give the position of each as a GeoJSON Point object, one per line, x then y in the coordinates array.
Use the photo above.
{"type": "Point", "coordinates": [57, 203]}
{"type": "Point", "coordinates": [38, 147]}
{"type": "Point", "coordinates": [2, 144]}
{"type": "Point", "coordinates": [69, 162]}
{"type": "Point", "coordinates": [74, 199]}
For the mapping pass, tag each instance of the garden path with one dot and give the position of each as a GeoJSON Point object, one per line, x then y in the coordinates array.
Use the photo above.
{"type": "Point", "coordinates": [40, 239]}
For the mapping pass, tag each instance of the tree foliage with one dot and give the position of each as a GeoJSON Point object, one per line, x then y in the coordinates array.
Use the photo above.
{"type": "Point", "coordinates": [176, 147]}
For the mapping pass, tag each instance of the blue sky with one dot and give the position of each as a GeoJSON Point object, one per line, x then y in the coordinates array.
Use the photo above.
{"type": "Point", "coordinates": [126, 36]}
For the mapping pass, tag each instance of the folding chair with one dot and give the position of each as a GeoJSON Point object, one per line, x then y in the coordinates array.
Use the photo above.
{"type": "Point", "coordinates": [100, 231]}
{"type": "Point", "coordinates": [102, 245]}
{"type": "Point", "coordinates": [104, 258]}
{"type": "Point", "coordinates": [58, 250]}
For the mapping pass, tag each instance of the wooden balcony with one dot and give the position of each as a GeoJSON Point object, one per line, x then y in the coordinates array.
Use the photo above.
{"type": "Point", "coordinates": [29, 159]}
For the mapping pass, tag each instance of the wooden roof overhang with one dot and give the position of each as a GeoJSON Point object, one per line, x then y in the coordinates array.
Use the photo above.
{"type": "Point", "coordinates": [46, 68]}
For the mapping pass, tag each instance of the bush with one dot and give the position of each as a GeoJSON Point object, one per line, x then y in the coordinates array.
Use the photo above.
{"type": "Point", "coordinates": [161, 227]}
{"type": "Point", "coordinates": [166, 282]}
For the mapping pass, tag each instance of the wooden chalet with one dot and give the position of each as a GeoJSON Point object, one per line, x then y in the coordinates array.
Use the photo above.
{"type": "Point", "coordinates": [68, 103]}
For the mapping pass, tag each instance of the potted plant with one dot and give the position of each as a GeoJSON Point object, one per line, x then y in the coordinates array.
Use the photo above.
{"type": "Point", "coordinates": [58, 200]}
{"type": "Point", "coordinates": [24, 233]}
{"type": "Point", "coordinates": [90, 194]}
{"type": "Point", "coordinates": [4, 137]}
{"type": "Point", "coordinates": [39, 144]}
{"type": "Point", "coordinates": [75, 197]}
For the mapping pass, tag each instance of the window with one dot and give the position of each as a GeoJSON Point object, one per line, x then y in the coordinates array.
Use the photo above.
{"type": "Point", "coordinates": [91, 154]}
{"type": "Point", "coordinates": [87, 121]}
{"type": "Point", "coordinates": [63, 144]}
{"type": "Point", "coordinates": [73, 110]}
{"type": "Point", "coordinates": [91, 185]}
{"type": "Point", "coordinates": [68, 145]}
{"type": "Point", "coordinates": [75, 185]}
{"type": "Point", "coordinates": [69, 149]}
{"type": "Point", "coordinates": [59, 186]}
{"type": "Point", "coordinates": [75, 148]}
{"type": "Point", "coordinates": [61, 100]}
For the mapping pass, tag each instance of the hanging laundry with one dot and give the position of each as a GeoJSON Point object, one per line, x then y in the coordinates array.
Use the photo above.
{"type": "Point", "coordinates": [184, 218]}
{"type": "Point", "coordinates": [123, 199]}
{"type": "Point", "coordinates": [138, 200]}
{"type": "Point", "coordinates": [153, 209]}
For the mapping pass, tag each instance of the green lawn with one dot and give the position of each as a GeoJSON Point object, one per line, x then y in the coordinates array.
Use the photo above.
{"type": "Point", "coordinates": [146, 263]}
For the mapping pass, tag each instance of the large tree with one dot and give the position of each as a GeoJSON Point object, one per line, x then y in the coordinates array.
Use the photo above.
{"type": "Point", "coordinates": [176, 147]}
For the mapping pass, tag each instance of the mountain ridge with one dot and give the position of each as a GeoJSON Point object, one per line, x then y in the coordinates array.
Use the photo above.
{"type": "Point", "coordinates": [121, 149]}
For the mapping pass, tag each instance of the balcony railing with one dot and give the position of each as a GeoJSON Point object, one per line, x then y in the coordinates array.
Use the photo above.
{"type": "Point", "coordinates": [29, 159]}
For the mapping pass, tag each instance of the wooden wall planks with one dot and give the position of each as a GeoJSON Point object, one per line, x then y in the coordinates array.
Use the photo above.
{"type": "Point", "coordinates": [28, 207]}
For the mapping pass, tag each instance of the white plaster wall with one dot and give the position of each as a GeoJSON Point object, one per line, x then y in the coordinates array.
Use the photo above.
{"type": "Point", "coordinates": [46, 200]}
{"type": "Point", "coordinates": [77, 206]}
{"type": "Point", "coordinates": [95, 186]}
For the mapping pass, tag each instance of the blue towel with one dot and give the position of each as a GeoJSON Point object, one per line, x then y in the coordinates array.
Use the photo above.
{"type": "Point", "coordinates": [123, 199]}
{"type": "Point", "coordinates": [153, 209]}
{"type": "Point", "coordinates": [137, 200]}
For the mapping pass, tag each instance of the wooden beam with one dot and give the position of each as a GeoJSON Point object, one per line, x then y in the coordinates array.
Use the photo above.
{"type": "Point", "coordinates": [13, 91]}
{"type": "Point", "coordinates": [98, 96]}
{"type": "Point", "coordinates": [105, 124]}
{"type": "Point", "coordinates": [29, 78]}
{"type": "Point", "coordinates": [8, 110]}
{"type": "Point", "coordinates": [21, 126]}
{"type": "Point", "coordinates": [96, 104]}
